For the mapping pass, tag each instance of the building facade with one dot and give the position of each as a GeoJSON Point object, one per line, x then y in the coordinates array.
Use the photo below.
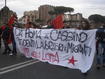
{"type": "Point", "coordinates": [30, 16]}
{"type": "Point", "coordinates": [74, 20]}
{"type": "Point", "coordinates": [44, 13]}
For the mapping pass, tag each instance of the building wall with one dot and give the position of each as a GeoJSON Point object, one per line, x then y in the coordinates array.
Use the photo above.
{"type": "Point", "coordinates": [74, 20]}
{"type": "Point", "coordinates": [43, 12]}
{"type": "Point", "coordinates": [31, 15]}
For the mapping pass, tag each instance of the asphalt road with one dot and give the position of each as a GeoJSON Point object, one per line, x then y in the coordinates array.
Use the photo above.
{"type": "Point", "coordinates": [42, 70]}
{"type": "Point", "coordinates": [19, 67]}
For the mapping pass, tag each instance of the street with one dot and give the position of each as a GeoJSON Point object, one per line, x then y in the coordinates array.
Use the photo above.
{"type": "Point", "coordinates": [20, 67]}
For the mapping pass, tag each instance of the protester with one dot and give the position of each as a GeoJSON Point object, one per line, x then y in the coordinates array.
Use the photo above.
{"type": "Point", "coordinates": [35, 26]}
{"type": "Point", "coordinates": [5, 34]}
{"type": "Point", "coordinates": [104, 46]}
{"type": "Point", "coordinates": [66, 25]}
{"type": "Point", "coordinates": [0, 36]}
{"type": "Point", "coordinates": [14, 52]}
{"type": "Point", "coordinates": [28, 25]}
{"type": "Point", "coordinates": [13, 23]}
{"type": "Point", "coordinates": [97, 21]}
{"type": "Point", "coordinates": [85, 24]}
{"type": "Point", "coordinates": [49, 25]}
{"type": "Point", "coordinates": [79, 26]}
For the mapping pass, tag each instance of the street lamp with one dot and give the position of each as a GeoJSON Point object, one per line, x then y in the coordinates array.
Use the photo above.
{"type": "Point", "coordinates": [5, 2]}
{"type": "Point", "coordinates": [5, 12]}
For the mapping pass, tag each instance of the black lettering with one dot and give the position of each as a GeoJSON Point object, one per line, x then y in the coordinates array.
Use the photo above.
{"type": "Point", "coordinates": [54, 35]}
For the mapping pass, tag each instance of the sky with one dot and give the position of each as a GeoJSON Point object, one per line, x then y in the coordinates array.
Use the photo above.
{"type": "Point", "coordinates": [86, 7]}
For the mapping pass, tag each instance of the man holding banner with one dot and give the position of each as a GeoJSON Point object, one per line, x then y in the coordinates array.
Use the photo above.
{"type": "Point", "coordinates": [13, 23]}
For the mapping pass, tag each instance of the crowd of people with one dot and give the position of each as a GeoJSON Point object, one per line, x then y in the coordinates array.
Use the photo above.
{"type": "Point", "coordinates": [93, 22]}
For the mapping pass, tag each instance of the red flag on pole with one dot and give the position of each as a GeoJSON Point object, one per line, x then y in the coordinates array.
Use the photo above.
{"type": "Point", "coordinates": [58, 22]}
{"type": "Point", "coordinates": [11, 20]}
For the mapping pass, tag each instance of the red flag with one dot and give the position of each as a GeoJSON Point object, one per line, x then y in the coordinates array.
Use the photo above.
{"type": "Point", "coordinates": [2, 27]}
{"type": "Point", "coordinates": [11, 20]}
{"type": "Point", "coordinates": [58, 22]}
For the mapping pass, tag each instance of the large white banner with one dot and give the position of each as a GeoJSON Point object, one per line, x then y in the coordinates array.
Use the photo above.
{"type": "Point", "coordinates": [66, 47]}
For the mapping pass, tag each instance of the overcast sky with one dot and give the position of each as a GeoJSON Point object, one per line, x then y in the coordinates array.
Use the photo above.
{"type": "Point", "coordinates": [86, 7]}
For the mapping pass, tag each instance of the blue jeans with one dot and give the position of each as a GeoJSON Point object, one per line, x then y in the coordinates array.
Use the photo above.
{"type": "Point", "coordinates": [101, 54]}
